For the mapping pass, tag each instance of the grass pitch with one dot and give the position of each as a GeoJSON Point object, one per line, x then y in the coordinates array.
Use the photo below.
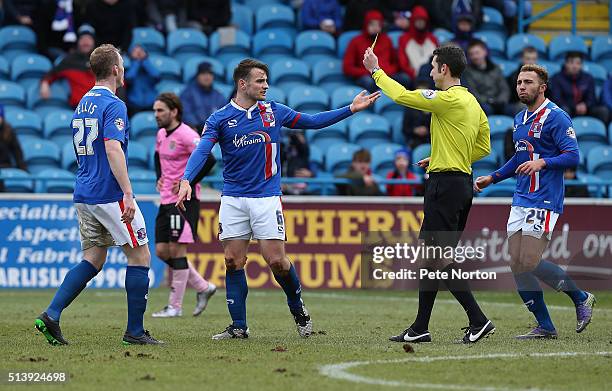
{"type": "Point", "coordinates": [350, 326]}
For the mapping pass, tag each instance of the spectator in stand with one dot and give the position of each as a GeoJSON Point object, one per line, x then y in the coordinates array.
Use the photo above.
{"type": "Point", "coordinates": [355, 11]}
{"type": "Point", "coordinates": [573, 89]}
{"type": "Point", "coordinates": [485, 79]}
{"type": "Point", "coordinates": [606, 95]}
{"type": "Point", "coordinates": [18, 12]}
{"type": "Point", "coordinates": [574, 190]}
{"type": "Point", "coordinates": [166, 15]}
{"type": "Point", "coordinates": [417, 44]}
{"type": "Point", "coordinates": [113, 21]}
{"type": "Point", "coordinates": [11, 154]}
{"type": "Point", "coordinates": [323, 15]}
{"type": "Point", "coordinates": [295, 162]}
{"type": "Point", "coordinates": [208, 15]}
{"type": "Point", "coordinates": [200, 99]}
{"type": "Point", "coordinates": [397, 13]}
{"type": "Point", "coordinates": [353, 58]}
{"type": "Point", "coordinates": [401, 171]}
{"type": "Point", "coordinates": [464, 30]}
{"type": "Point", "coordinates": [141, 78]}
{"type": "Point", "coordinates": [360, 174]}
{"type": "Point", "coordinates": [529, 55]}
{"type": "Point", "coordinates": [416, 122]}
{"type": "Point", "coordinates": [74, 67]}
{"type": "Point", "coordinates": [423, 75]}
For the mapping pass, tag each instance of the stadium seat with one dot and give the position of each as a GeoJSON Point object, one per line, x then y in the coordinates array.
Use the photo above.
{"type": "Point", "coordinates": [316, 158]}
{"type": "Point", "coordinates": [225, 89]}
{"type": "Point", "coordinates": [62, 181]}
{"type": "Point", "coordinates": [551, 66]}
{"type": "Point", "coordinates": [383, 158]}
{"type": "Point", "coordinates": [597, 71]}
{"type": "Point", "coordinates": [494, 43]}
{"type": "Point", "coordinates": [339, 157]}
{"type": "Point", "coordinates": [344, 39]}
{"type": "Point", "coordinates": [488, 162]}
{"type": "Point", "coordinates": [369, 129]}
{"type": "Point", "coordinates": [344, 95]}
{"type": "Point", "coordinates": [397, 130]}
{"type": "Point", "coordinates": [272, 41]}
{"type": "Point", "coordinates": [28, 69]}
{"type": "Point", "coordinates": [16, 40]}
{"type": "Point", "coordinates": [230, 42]}
{"type": "Point", "coordinates": [169, 86]}
{"type": "Point", "coordinates": [492, 20]}
{"type": "Point", "coordinates": [443, 35]}
{"type": "Point", "coordinates": [507, 66]}
{"type": "Point", "coordinates": [143, 181]}
{"type": "Point", "coordinates": [591, 180]}
{"type": "Point", "coordinates": [499, 125]}
{"type": "Point", "coordinates": [25, 122]}
{"type": "Point", "coordinates": [395, 36]}
{"type": "Point", "coordinates": [169, 68]}
{"type": "Point", "coordinates": [326, 137]}
{"type": "Point", "coordinates": [69, 160]}
{"type": "Point", "coordinates": [564, 43]}
{"type": "Point", "coordinates": [518, 42]}
{"type": "Point", "coordinates": [384, 104]}
{"type": "Point", "coordinates": [502, 189]}
{"type": "Point", "coordinates": [58, 98]}
{"type": "Point", "coordinates": [289, 71]}
{"type": "Point", "coordinates": [40, 155]}
{"type": "Point", "coordinates": [311, 99]}
{"type": "Point", "coordinates": [191, 67]}
{"type": "Point", "coordinates": [601, 48]}
{"type": "Point", "coordinates": [274, 15]}
{"type": "Point", "coordinates": [152, 40]}
{"type": "Point", "coordinates": [11, 93]}
{"type": "Point", "coordinates": [138, 156]}
{"type": "Point", "coordinates": [185, 43]}
{"type": "Point", "coordinates": [599, 161]}
{"type": "Point", "coordinates": [57, 124]}
{"type": "Point", "coordinates": [276, 94]}
{"type": "Point", "coordinates": [314, 42]}
{"type": "Point", "coordinates": [242, 17]}
{"type": "Point", "coordinates": [4, 69]}
{"type": "Point", "coordinates": [590, 132]}
{"type": "Point", "coordinates": [15, 180]}
{"type": "Point", "coordinates": [610, 133]}
{"type": "Point", "coordinates": [143, 124]}
{"type": "Point", "coordinates": [327, 71]}
{"type": "Point", "coordinates": [419, 153]}
{"type": "Point", "coordinates": [254, 5]}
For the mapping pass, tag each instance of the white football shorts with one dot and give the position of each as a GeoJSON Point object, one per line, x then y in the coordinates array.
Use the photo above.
{"type": "Point", "coordinates": [531, 221]}
{"type": "Point", "coordinates": [246, 218]}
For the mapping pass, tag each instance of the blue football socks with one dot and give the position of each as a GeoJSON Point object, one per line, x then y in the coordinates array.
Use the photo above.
{"type": "Point", "coordinates": [555, 277]}
{"type": "Point", "coordinates": [530, 291]}
{"type": "Point", "coordinates": [290, 283]}
{"type": "Point", "coordinates": [236, 295]}
{"type": "Point", "coordinates": [137, 288]}
{"type": "Point", "coordinates": [75, 281]}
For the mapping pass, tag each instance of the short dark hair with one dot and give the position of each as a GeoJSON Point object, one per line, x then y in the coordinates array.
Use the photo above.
{"type": "Point", "coordinates": [243, 69]}
{"type": "Point", "coordinates": [570, 55]}
{"type": "Point", "coordinates": [529, 49]}
{"type": "Point", "coordinates": [102, 60]}
{"type": "Point", "coordinates": [454, 58]}
{"type": "Point", "coordinates": [538, 69]}
{"type": "Point", "coordinates": [362, 156]}
{"type": "Point", "coordinates": [171, 100]}
{"type": "Point", "coordinates": [477, 42]}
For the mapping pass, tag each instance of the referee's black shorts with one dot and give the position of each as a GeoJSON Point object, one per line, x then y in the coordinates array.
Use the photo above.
{"type": "Point", "coordinates": [448, 199]}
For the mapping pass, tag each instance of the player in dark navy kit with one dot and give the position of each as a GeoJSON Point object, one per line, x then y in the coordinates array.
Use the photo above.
{"type": "Point", "coordinates": [107, 211]}
{"type": "Point", "coordinates": [248, 130]}
{"type": "Point", "coordinates": [545, 144]}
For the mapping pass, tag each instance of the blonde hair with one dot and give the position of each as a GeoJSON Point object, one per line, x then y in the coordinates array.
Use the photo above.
{"type": "Point", "coordinates": [102, 60]}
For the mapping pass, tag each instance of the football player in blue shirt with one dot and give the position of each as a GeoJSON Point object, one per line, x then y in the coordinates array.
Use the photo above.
{"type": "Point", "coordinates": [248, 130]}
{"type": "Point", "coordinates": [545, 145]}
{"type": "Point", "coordinates": [107, 211]}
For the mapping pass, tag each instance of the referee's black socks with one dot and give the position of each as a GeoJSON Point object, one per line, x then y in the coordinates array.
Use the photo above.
{"type": "Point", "coordinates": [460, 289]}
{"type": "Point", "coordinates": [428, 289]}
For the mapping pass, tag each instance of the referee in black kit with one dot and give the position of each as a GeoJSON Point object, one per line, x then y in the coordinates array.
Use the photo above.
{"type": "Point", "coordinates": [459, 136]}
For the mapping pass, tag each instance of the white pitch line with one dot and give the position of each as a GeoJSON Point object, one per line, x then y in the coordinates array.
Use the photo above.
{"type": "Point", "coordinates": [340, 371]}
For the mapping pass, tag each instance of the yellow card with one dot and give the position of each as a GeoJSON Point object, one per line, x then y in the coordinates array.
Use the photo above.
{"type": "Point", "coordinates": [374, 43]}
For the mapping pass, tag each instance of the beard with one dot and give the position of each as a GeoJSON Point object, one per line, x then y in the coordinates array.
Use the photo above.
{"type": "Point", "coordinates": [528, 100]}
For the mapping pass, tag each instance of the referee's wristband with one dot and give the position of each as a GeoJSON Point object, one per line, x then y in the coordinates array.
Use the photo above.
{"type": "Point", "coordinates": [375, 70]}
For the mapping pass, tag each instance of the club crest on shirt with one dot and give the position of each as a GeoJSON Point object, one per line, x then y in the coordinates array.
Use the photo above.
{"type": "Point", "coordinates": [428, 94]}
{"type": "Point", "coordinates": [142, 234]}
{"type": "Point", "coordinates": [119, 124]}
{"type": "Point", "coordinates": [172, 145]}
{"type": "Point", "coordinates": [571, 132]}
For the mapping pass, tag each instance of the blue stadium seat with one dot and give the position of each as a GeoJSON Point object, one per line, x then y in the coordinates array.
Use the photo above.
{"type": "Point", "coordinates": [274, 15]}
{"type": "Point", "coordinates": [591, 180]}
{"type": "Point", "coordinates": [384, 105]}
{"type": "Point", "coordinates": [143, 124]}
{"type": "Point", "coordinates": [169, 68]}
{"type": "Point", "coordinates": [394, 36]}
{"type": "Point", "coordinates": [169, 86]}
{"type": "Point", "coordinates": [138, 156]}
{"type": "Point", "coordinates": [326, 137]}
{"type": "Point", "coordinates": [564, 43]}
{"type": "Point", "coordinates": [242, 18]}
{"type": "Point", "coordinates": [225, 89]}
{"type": "Point", "coordinates": [499, 125]}
{"type": "Point", "coordinates": [289, 71]}
{"type": "Point", "coordinates": [383, 157]}
{"type": "Point", "coordinates": [229, 42]}
{"type": "Point", "coordinates": [551, 66]}
{"type": "Point", "coordinates": [11, 93]}
{"type": "Point", "coordinates": [590, 132]}
{"type": "Point", "coordinates": [185, 43]}
{"type": "Point", "coordinates": [62, 182]}
{"type": "Point", "coordinates": [254, 5]}
{"type": "Point", "coordinates": [344, 95]}
{"type": "Point", "coordinates": [28, 69]}
{"type": "Point", "coordinates": [16, 40]}
{"type": "Point", "coordinates": [25, 122]}
{"type": "Point", "coordinates": [494, 42]}
{"type": "Point", "coordinates": [369, 129]}
{"type": "Point", "coordinates": [597, 71]}
{"type": "Point", "coordinates": [517, 42]}
{"type": "Point", "coordinates": [327, 71]}
{"type": "Point", "coordinates": [15, 180]}
{"type": "Point", "coordinates": [488, 162]}
{"type": "Point", "coordinates": [397, 130]}
{"type": "Point", "coordinates": [344, 39]}
{"type": "Point", "coordinates": [143, 181]}
{"type": "Point", "coordinates": [311, 99]}
{"type": "Point", "coordinates": [40, 155]}
{"type": "Point", "coordinates": [419, 153]}
{"type": "Point", "coordinates": [339, 157]}
{"type": "Point", "coordinates": [69, 161]}
{"type": "Point", "coordinates": [276, 94]}
{"type": "Point", "coordinates": [507, 66]}
{"type": "Point", "coordinates": [610, 134]}
{"type": "Point", "coordinates": [316, 158]}
{"type": "Point", "coordinates": [601, 48]}
{"type": "Point", "coordinates": [314, 42]}
{"type": "Point", "coordinates": [492, 20]}
{"type": "Point", "coordinates": [443, 35]}
{"type": "Point", "coordinates": [58, 124]}
{"type": "Point", "coordinates": [149, 38]}
{"type": "Point", "coordinates": [599, 161]}
{"type": "Point", "coordinates": [4, 69]}
{"type": "Point", "coordinates": [272, 41]}
{"type": "Point", "coordinates": [502, 189]}
{"type": "Point", "coordinates": [191, 67]}
{"type": "Point", "coordinates": [57, 100]}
